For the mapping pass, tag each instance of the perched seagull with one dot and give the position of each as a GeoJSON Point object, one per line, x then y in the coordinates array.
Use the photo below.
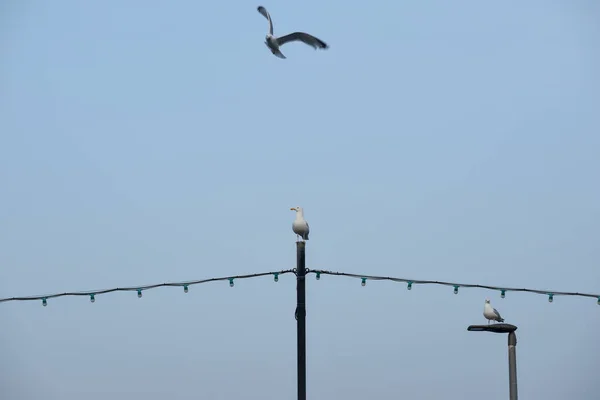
{"type": "Point", "coordinates": [491, 313]}
{"type": "Point", "coordinates": [274, 42]}
{"type": "Point", "coordinates": [300, 226]}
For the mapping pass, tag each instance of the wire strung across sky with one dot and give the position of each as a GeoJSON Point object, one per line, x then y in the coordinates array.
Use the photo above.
{"type": "Point", "coordinates": [276, 274]}
{"type": "Point", "coordinates": [411, 282]}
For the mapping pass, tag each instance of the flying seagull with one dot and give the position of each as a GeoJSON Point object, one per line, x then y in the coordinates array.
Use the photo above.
{"type": "Point", "coordinates": [491, 313]}
{"type": "Point", "coordinates": [274, 42]}
{"type": "Point", "coordinates": [300, 226]}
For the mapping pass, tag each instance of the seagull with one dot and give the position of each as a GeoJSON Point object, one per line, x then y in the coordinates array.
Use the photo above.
{"type": "Point", "coordinates": [300, 226]}
{"type": "Point", "coordinates": [491, 313]}
{"type": "Point", "coordinates": [274, 42]}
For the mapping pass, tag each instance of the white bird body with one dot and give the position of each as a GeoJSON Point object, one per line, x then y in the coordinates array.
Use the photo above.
{"type": "Point", "coordinates": [300, 226]}
{"type": "Point", "coordinates": [490, 313]}
{"type": "Point", "coordinates": [274, 42]}
{"type": "Point", "coordinates": [271, 42]}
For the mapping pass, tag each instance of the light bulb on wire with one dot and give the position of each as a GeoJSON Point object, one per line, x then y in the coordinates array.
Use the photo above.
{"type": "Point", "coordinates": [550, 297]}
{"type": "Point", "coordinates": [363, 281]}
{"type": "Point", "coordinates": [231, 282]}
{"type": "Point", "coordinates": [409, 286]}
{"type": "Point", "coordinates": [139, 293]}
{"type": "Point", "coordinates": [185, 288]}
{"type": "Point", "coordinates": [318, 275]}
{"type": "Point", "coordinates": [455, 289]}
{"type": "Point", "coordinates": [92, 298]}
{"type": "Point", "coordinates": [44, 302]}
{"type": "Point", "coordinates": [503, 293]}
{"type": "Point", "coordinates": [276, 278]}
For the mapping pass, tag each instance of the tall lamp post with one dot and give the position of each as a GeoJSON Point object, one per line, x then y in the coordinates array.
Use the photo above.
{"type": "Point", "coordinates": [512, 355]}
{"type": "Point", "coordinates": [301, 316]}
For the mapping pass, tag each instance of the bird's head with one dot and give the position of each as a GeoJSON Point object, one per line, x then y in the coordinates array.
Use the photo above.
{"type": "Point", "coordinates": [487, 301]}
{"type": "Point", "coordinates": [298, 209]}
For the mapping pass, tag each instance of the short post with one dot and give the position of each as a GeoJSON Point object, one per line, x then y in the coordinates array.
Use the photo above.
{"type": "Point", "coordinates": [512, 364]}
{"type": "Point", "coordinates": [301, 316]}
{"type": "Point", "coordinates": [512, 356]}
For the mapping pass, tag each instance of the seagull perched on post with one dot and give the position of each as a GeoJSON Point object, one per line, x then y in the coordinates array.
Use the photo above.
{"type": "Point", "coordinates": [300, 226]}
{"type": "Point", "coordinates": [274, 42]}
{"type": "Point", "coordinates": [491, 313]}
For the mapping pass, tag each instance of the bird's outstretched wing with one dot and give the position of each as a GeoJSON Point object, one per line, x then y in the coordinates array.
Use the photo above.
{"type": "Point", "coordinates": [303, 37]}
{"type": "Point", "coordinates": [265, 14]}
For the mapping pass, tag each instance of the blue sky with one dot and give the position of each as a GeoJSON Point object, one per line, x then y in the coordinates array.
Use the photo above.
{"type": "Point", "coordinates": [145, 142]}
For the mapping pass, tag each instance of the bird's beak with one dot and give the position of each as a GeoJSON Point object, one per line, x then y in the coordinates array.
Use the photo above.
{"type": "Point", "coordinates": [293, 209]}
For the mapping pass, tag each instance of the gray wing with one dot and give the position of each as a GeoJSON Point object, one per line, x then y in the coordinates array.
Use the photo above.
{"type": "Point", "coordinates": [304, 38]}
{"type": "Point", "coordinates": [265, 14]}
{"type": "Point", "coordinates": [497, 314]}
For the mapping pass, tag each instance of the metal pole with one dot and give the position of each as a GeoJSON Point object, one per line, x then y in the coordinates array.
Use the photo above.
{"type": "Point", "coordinates": [301, 317]}
{"type": "Point", "coordinates": [512, 365]}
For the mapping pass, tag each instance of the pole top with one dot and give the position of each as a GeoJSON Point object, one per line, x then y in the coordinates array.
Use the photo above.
{"type": "Point", "coordinates": [495, 328]}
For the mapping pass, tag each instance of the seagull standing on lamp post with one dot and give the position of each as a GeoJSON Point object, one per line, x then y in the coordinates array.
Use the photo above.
{"type": "Point", "coordinates": [490, 313]}
{"type": "Point", "coordinates": [300, 226]}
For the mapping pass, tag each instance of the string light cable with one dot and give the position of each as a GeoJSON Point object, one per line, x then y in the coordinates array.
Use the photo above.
{"type": "Point", "coordinates": [364, 278]}
{"type": "Point", "coordinates": [139, 289]}
{"type": "Point", "coordinates": [454, 285]}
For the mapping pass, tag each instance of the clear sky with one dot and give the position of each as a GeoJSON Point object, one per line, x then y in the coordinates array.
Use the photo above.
{"type": "Point", "coordinates": [153, 141]}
